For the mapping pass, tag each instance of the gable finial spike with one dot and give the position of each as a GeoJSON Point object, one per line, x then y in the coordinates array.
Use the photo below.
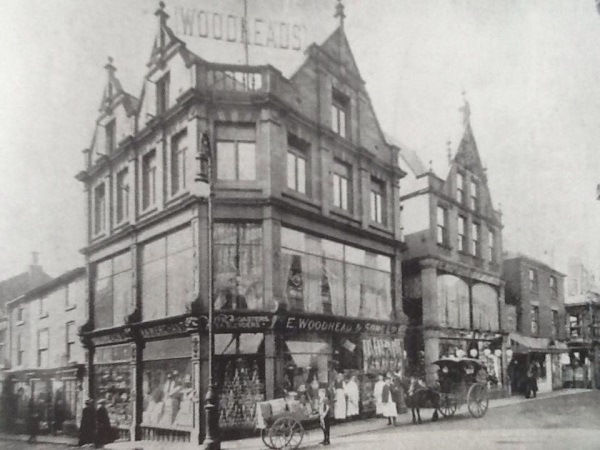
{"type": "Point", "coordinates": [430, 166]}
{"type": "Point", "coordinates": [339, 12]}
{"type": "Point", "coordinates": [449, 150]}
{"type": "Point", "coordinates": [465, 109]}
{"type": "Point", "coordinates": [110, 68]}
{"type": "Point", "coordinates": [161, 13]}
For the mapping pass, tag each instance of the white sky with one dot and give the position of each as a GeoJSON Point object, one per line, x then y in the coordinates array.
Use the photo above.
{"type": "Point", "coordinates": [530, 68]}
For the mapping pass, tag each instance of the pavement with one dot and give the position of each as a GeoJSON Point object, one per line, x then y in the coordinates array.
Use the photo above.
{"type": "Point", "coordinates": [354, 431]}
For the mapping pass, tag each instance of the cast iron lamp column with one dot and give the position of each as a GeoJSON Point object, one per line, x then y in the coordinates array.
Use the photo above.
{"type": "Point", "coordinates": [211, 405]}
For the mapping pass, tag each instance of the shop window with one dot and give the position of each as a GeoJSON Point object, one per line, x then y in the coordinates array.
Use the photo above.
{"type": "Point", "coordinates": [485, 308]}
{"type": "Point", "coordinates": [308, 359]}
{"type": "Point", "coordinates": [236, 152]}
{"type": "Point", "coordinates": [342, 185]}
{"type": "Point", "coordinates": [167, 266]}
{"type": "Point", "coordinates": [238, 266]}
{"type": "Point", "coordinates": [149, 179]}
{"type": "Point", "coordinates": [112, 291]}
{"type": "Point", "coordinates": [167, 385]}
{"type": "Point", "coordinates": [112, 382]}
{"type": "Point", "coordinates": [22, 390]}
{"type": "Point", "coordinates": [240, 371]}
{"type": "Point", "coordinates": [122, 195]}
{"type": "Point", "coordinates": [535, 320]}
{"type": "Point", "coordinates": [327, 277]}
{"type": "Point", "coordinates": [178, 162]}
{"type": "Point", "coordinates": [453, 302]}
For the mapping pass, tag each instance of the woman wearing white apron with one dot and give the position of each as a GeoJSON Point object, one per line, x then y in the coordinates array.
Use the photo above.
{"type": "Point", "coordinates": [352, 396]}
{"type": "Point", "coordinates": [377, 391]}
{"type": "Point", "coordinates": [389, 405]}
{"type": "Point", "coordinates": [339, 410]}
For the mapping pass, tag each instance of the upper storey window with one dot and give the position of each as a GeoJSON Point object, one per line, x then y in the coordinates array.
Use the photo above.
{"type": "Point", "coordinates": [341, 185]}
{"type": "Point", "coordinates": [122, 195]}
{"type": "Point", "coordinates": [339, 113]}
{"type": "Point", "coordinates": [553, 286]}
{"type": "Point", "coordinates": [149, 179]}
{"type": "Point", "coordinates": [460, 188]}
{"type": "Point", "coordinates": [111, 137]}
{"type": "Point", "coordinates": [474, 195]}
{"type": "Point", "coordinates": [533, 280]}
{"type": "Point", "coordinates": [178, 160]}
{"type": "Point", "coordinates": [296, 170]}
{"type": "Point", "coordinates": [236, 152]}
{"type": "Point", "coordinates": [462, 234]}
{"type": "Point", "coordinates": [162, 94]}
{"type": "Point", "coordinates": [377, 196]}
{"type": "Point", "coordinates": [442, 225]}
{"type": "Point", "coordinates": [99, 208]}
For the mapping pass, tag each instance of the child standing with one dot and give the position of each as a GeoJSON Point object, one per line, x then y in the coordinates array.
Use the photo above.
{"type": "Point", "coordinates": [324, 415]}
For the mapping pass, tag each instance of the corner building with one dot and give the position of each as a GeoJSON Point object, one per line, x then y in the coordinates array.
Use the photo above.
{"type": "Point", "coordinates": [307, 245]}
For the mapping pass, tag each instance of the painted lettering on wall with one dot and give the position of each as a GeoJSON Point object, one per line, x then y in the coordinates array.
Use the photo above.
{"type": "Point", "coordinates": [227, 27]}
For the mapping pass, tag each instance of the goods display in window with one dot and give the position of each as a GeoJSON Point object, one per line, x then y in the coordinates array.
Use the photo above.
{"type": "Point", "coordinates": [241, 390]}
{"type": "Point", "coordinates": [381, 355]}
{"type": "Point", "coordinates": [113, 384]}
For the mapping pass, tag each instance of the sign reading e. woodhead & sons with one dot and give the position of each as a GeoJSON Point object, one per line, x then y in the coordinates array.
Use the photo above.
{"type": "Point", "coordinates": [252, 32]}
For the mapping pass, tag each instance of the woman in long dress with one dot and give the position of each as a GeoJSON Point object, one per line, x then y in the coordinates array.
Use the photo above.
{"type": "Point", "coordinates": [377, 392]}
{"type": "Point", "coordinates": [352, 396]}
{"type": "Point", "coordinates": [389, 405]}
{"type": "Point", "coordinates": [339, 409]}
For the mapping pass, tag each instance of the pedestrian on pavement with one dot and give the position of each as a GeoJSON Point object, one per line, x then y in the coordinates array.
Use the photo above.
{"type": "Point", "coordinates": [339, 408]}
{"type": "Point", "coordinates": [532, 375]}
{"type": "Point", "coordinates": [324, 415]}
{"type": "Point", "coordinates": [377, 391]}
{"type": "Point", "coordinates": [87, 428]}
{"type": "Point", "coordinates": [33, 421]}
{"type": "Point", "coordinates": [103, 428]}
{"type": "Point", "coordinates": [387, 398]}
{"type": "Point", "coordinates": [352, 397]}
{"type": "Point", "coordinates": [398, 384]}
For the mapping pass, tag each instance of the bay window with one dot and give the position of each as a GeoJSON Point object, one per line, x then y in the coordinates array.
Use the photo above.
{"type": "Point", "coordinates": [236, 152]}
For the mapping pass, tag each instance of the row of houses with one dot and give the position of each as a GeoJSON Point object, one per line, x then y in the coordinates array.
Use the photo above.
{"type": "Point", "coordinates": [329, 248]}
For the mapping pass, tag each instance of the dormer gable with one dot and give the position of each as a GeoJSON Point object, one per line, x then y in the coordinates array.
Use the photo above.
{"type": "Point", "coordinates": [117, 119]}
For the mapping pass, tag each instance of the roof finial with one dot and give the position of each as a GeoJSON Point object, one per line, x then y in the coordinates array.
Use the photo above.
{"type": "Point", "coordinates": [339, 12]}
{"type": "Point", "coordinates": [449, 150]}
{"type": "Point", "coordinates": [430, 166]}
{"type": "Point", "coordinates": [465, 109]}
{"type": "Point", "coordinates": [110, 70]}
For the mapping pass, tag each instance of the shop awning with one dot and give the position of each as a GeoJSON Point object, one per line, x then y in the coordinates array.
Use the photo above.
{"type": "Point", "coordinates": [527, 344]}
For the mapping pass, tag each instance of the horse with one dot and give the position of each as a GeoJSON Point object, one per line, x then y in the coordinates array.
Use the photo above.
{"type": "Point", "coordinates": [419, 395]}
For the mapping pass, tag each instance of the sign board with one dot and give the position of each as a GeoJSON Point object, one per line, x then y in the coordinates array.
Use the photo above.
{"type": "Point", "coordinates": [254, 32]}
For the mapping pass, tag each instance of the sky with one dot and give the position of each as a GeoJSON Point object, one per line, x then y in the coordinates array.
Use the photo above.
{"type": "Point", "coordinates": [530, 69]}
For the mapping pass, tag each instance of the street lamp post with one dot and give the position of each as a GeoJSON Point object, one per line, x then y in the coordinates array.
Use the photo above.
{"type": "Point", "coordinates": [211, 405]}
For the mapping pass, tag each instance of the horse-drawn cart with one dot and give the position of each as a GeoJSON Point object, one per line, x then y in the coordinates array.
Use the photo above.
{"type": "Point", "coordinates": [280, 422]}
{"type": "Point", "coordinates": [462, 380]}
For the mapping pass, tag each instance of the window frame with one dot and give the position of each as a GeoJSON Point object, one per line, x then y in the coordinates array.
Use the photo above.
{"type": "Point", "coordinates": [462, 234]}
{"type": "Point", "coordinates": [296, 155]}
{"type": "Point", "coordinates": [377, 201]}
{"type": "Point", "coordinates": [555, 323]}
{"type": "Point", "coordinates": [474, 197]}
{"type": "Point", "coordinates": [122, 200]}
{"type": "Point", "coordinates": [442, 228]}
{"type": "Point", "coordinates": [475, 239]}
{"type": "Point", "coordinates": [20, 350]}
{"type": "Point", "coordinates": [43, 309]}
{"type": "Point", "coordinates": [40, 350]}
{"type": "Point", "coordinates": [111, 136]}
{"type": "Point", "coordinates": [162, 93]}
{"type": "Point", "coordinates": [460, 187]}
{"type": "Point", "coordinates": [178, 161]}
{"type": "Point", "coordinates": [533, 280]}
{"type": "Point", "coordinates": [535, 320]}
{"type": "Point", "coordinates": [100, 208]}
{"type": "Point", "coordinates": [340, 113]}
{"type": "Point", "coordinates": [491, 246]}
{"type": "Point", "coordinates": [575, 324]}
{"type": "Point", "coordinates": [342, 178]}
{"type": "Point", "coordinates": [148, 179]}
{"type": "Point", "coordinates": [236, 164]}
{"type": "Point", "coordinates": [69, 343]}
{"type": "Point", "coordinates": [553, 283]}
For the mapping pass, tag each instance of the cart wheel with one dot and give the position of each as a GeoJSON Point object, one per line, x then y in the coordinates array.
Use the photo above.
{"type": "Point", "coordinates": [286, 432]}
{"type": "Point", "coordinates": [477, 400]}
{"type": "Point", "coordinates": [448, 405]}
{"type": "Point", "coordinates": [264, 435]}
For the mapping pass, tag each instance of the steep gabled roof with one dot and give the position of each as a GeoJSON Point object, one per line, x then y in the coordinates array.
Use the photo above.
{"type": "Point", "coordinates": [19, 284]}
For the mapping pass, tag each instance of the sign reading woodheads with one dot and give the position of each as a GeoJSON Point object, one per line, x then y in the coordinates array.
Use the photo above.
{"type": "Point", "coordinates": [255, 32]}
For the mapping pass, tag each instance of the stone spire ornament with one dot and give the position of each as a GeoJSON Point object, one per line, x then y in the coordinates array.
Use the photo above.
{"type": "Point", "coordinates": [339, 12]}
{"type": "Point", "coordinates": [465, 110]}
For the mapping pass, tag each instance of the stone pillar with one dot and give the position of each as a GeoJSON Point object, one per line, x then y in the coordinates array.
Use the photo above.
{"type": "Point", "coordinates": [137, 390]}
{"type": "Point", "coordinates": [362, 191]}
{"type": "Point", "coordinates": [431, 340]}
{"type": "Point", "coordinates": [270, 362]}
{"type": "Point", "coordinates": [196, 382]}
{"type": "Point", "coordinates": [202, 383]}
{"type": "Point", "coordinates": [326, 180]}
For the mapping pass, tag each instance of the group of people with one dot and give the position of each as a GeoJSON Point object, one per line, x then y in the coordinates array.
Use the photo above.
{"type": "Point", "coordinates": [523, 377]}
{"type": "Point", "coordinates": [388, 392]}
{"type": "Point", "coordinates": [95, 426]}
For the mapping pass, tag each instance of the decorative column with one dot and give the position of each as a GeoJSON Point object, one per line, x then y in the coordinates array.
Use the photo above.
{"type": "Point", "coordinates": [196, 382]}
{"type": "Point", "coordinates": [431, 332]}
{"type": "Point", "coordinates": [137, 390]}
